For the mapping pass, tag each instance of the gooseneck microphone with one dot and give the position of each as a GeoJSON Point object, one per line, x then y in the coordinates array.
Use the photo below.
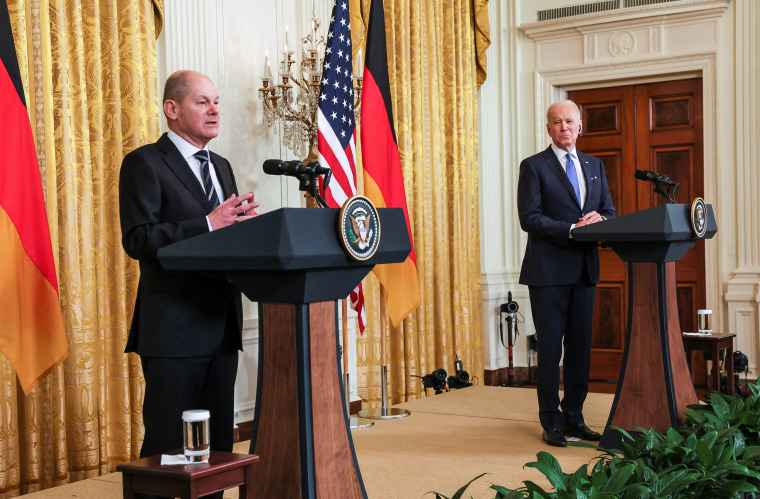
{"type": "Point", "coordinates": [307, 175]}
{"type": "Point", "coordinates": [654, 177]}
{"type": "Point", "coordinates": [293, 168]}
{"type": "Point", "coordinates": [663, 185]}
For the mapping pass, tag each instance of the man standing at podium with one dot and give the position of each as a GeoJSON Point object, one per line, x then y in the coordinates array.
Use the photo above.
{"type": "Point", "coordinates": [560, 189]}
{"type": "Point", "coordinates": [186, 325]}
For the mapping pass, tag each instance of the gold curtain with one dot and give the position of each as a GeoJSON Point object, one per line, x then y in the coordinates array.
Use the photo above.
{"type": "Point", "coordinates": [432, 58]}
{"type": "Point", "coordinates": [89, 70]}
{"type": "Point", "coordinates": [482, 36]}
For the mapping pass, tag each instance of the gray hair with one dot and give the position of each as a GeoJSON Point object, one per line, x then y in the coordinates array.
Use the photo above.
{"type": "Point", "coordinates": [563, 103]}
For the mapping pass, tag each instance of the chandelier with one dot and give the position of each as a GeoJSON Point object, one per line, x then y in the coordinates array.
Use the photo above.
{"type": "Point", "coordinates": [292, 100]}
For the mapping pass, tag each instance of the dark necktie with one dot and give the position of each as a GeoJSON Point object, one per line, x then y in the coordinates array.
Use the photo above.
{"type": "Point", "coordinates": [208, 185]}
{"type": "Point", "coordinates": [573, 176]}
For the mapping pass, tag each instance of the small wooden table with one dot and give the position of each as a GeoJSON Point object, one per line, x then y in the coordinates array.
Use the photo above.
{"type": "Point", "coordinates": [223, 470]}
{"type": "Point", "coordinates": [714, 343]}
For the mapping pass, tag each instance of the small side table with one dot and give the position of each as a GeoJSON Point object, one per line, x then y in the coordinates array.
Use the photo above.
{"type": "Point", "coordinates": [223, 470]}
{"type": "Point", "coordinates": [714, 343]}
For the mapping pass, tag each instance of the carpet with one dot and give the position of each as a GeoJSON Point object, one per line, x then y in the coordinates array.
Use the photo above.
{"type": "Point", "coordinates": [453, 437]}
{"type": "Point", "coordinates": [448, 440]}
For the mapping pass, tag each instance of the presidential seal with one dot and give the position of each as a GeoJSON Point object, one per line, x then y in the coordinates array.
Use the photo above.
{"type": "Point", "coordinates": [699, 217]}
{"type": "Point", "coordinates": [359, 228]}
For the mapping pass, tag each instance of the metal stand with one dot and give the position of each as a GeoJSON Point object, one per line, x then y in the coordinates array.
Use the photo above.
{"type": "Point", "coordinates": [511, 327]}
{"type": "Point", "coordinates": [355, 423]}
{"type": "Point", "coordinates": [384, 412]}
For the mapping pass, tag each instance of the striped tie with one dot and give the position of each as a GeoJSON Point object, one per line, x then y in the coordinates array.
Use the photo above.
{"type": "Point", "coordinates": [208, 185]}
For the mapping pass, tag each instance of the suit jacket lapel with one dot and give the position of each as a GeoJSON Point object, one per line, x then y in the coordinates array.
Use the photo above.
{"type": "Point", "coordinates": [224, 175]}
{"type": "Point", "coordinates": [556, 167]}
{"type": "Point", "coordinates": [179, 166]}
{"type": "Point", "coordinates": [584, 159]}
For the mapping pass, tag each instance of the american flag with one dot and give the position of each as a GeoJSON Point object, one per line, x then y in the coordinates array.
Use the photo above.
{"type": "Point", "coordinates": [337, 130]}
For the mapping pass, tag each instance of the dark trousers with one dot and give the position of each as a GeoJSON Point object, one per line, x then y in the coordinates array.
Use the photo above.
{"type": "Point", "coordinates": [562, 316]}
{"type": "Point", "coordinates": [173, 385]}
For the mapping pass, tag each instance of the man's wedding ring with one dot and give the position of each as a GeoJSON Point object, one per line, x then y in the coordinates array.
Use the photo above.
{"type": "Point", "coordinates": [236, 219]}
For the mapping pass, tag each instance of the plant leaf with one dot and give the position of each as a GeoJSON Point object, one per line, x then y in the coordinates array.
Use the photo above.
{"type": "Point", "coordinates": [736, 486]}
{"type": "Point", "coordinates": [556, 478]}
{"type": "Point", "coordinates": [618, 478]}
{"type": "Point", "coordinates": [536, 490]}
{"type": "Point", "coordinates": [704, 453]}
{"type": "Point", "coordinates": [720, 407]}
{"type": "Point", "coordinates": [505, 493]}
{"type": "Point", "coordinates": [458, 494]}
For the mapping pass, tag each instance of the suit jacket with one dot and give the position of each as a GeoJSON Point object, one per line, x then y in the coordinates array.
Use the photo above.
{"type": "Point", "coordinates": [547, 207]}
{"type": "Point", "coordinates": [177, 313]}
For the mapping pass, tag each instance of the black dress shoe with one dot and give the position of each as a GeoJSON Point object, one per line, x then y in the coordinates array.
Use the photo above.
{"type": "Point", "coordinates": [581, 431]}
{"type": "Point", "coordinates": [554, 437]}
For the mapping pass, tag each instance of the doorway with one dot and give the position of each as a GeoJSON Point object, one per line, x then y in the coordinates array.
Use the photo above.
{"type": "Point", "coordinates": [657, 127]}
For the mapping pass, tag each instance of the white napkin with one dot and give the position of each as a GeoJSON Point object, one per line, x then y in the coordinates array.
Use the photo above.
{"type": "Point", "coordinates": [169, 459]}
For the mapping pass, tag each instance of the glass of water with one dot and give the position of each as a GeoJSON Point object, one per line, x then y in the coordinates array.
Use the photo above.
{"type": "Point", "coordinates": [195, 424]}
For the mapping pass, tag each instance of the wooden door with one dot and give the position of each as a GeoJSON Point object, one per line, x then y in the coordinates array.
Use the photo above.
{"type": "Point", "coordinates": [656, 127]}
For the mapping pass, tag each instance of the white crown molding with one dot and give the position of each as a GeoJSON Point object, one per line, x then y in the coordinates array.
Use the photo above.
{"type": "Point", "coordinates": [683, 10]}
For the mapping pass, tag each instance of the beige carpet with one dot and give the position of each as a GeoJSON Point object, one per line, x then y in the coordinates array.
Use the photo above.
{"type": "Point", "coordinates": [453, 437]}
{"type": "Point", "coordinates": [448, 440]}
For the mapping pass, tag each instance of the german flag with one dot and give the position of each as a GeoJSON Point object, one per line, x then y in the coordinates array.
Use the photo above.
{"type": "Point", "coordinates": [32, 334]}
{"type": "Point", "coordinates": [383, 179]}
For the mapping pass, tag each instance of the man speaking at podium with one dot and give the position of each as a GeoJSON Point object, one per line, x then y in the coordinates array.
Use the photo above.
{"type": "Point", "coordinates": [560, 189]}
{"type": "Point", "coordinates": [186, 325]}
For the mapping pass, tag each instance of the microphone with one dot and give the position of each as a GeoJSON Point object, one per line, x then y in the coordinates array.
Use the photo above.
{"type": "Point", "coordinates": [293, 168]}
{"type": "Point", "coordinates": [654, 177]}
{"type": "Point", "coordinates": [641, 175]}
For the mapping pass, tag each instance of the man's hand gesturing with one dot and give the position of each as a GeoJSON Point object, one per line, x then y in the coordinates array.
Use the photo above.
{"type": "Point", "coordinates": [233, 209]}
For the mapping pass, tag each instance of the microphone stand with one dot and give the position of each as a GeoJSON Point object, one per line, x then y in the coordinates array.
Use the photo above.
{"type": "Point", "coordinates": [669, 191]}
{"type": "Point", "coordinates": [511, 326]}
{"type": "Point", "coordinates": [307, 182]}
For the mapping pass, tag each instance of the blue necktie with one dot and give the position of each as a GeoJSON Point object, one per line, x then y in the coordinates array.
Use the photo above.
{"type": "Point", "coordinates": [208, 185]}
{"type": "Point", "coordinates": [573, 177]}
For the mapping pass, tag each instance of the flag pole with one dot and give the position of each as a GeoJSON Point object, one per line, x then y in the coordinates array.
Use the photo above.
{"type": "Point", "coordinates": [383, 412]}
{"type": "Point", "coordinates": [354, 422]}
{"type": "Point", "coordinates": [344, 311]}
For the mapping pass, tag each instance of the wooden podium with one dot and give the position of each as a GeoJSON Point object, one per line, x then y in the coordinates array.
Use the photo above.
{"type": "Point", "coordinates": [292, 263]}
{"type": "Point", "coordinates": [655, 386]}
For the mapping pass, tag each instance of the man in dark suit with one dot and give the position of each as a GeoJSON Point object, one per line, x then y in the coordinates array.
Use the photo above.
{"type": "Point", "coordinates": [186, 325]}
{"type": "Point", "coordinates": [560, 189]}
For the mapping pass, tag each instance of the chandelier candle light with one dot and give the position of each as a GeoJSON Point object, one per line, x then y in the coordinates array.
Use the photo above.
{"type": "Point", "coordinates": [296, 108]}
